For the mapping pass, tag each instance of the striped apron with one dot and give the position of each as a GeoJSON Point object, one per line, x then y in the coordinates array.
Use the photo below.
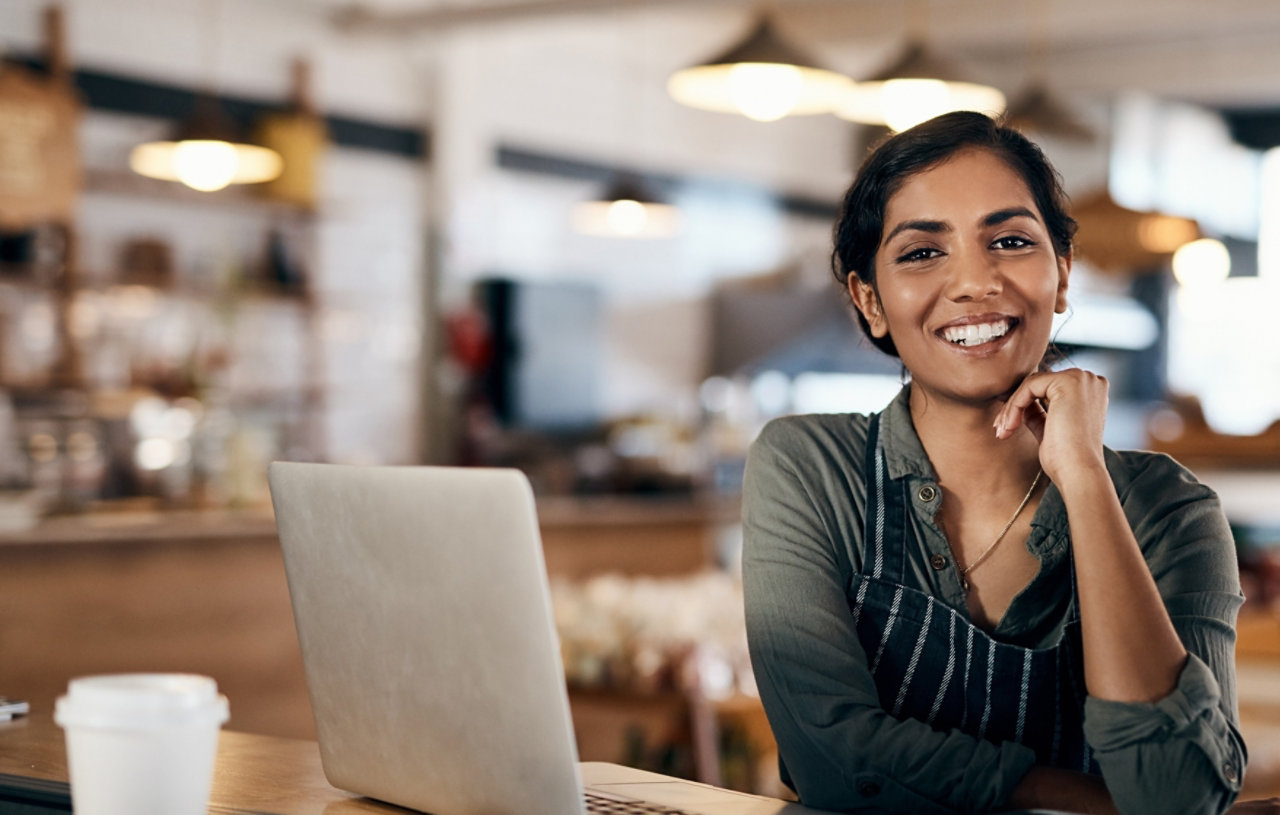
{"type": "Point", "coordinates": [930, 663]}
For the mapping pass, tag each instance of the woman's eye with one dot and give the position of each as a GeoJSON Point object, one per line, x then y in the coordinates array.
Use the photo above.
{"type": "Point", "coordinates": [1012, 242]}
{"type": "Point", "coordinates": [917, 255]}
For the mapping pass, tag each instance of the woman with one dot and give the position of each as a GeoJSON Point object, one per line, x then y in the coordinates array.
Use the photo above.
{"type": "Point", "coordinates": [966, 602]}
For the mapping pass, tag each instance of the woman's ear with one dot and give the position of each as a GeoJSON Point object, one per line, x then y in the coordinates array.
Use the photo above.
{"type": "Point", "coordinates": [868, 302]}
{"type": "Point", "coordinates": [1064, 272]}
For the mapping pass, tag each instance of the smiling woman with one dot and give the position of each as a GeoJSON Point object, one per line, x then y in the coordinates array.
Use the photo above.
{"type": "Point", "coordinates": [961, 237]}
{"type": "Point", "coordinates": [966, 602]}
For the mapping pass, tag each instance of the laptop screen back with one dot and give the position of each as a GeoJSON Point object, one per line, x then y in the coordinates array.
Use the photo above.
{"type": "Point", "coordinates": [422, 609]}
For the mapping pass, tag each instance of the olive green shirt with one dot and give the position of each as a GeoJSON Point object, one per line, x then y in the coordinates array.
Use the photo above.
{"type": "Point", "coordinates": [804, 503]}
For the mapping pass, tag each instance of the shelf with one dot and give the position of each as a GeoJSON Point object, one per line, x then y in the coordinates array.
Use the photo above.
{"type": "Point", "coordinates": [275, 399]}
{"type": "Point", "coordinates": [157, 293]}
{"type": "Point", "coordinates": [131, 526]}
{"type": "Point", "coordinates": [18, 277]}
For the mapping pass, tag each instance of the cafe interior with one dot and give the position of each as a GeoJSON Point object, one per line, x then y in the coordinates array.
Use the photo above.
{"type": "Point", "coordinates": [588, 239]}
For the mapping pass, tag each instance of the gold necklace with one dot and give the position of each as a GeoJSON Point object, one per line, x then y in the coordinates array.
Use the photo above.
{"type": "Point", "coordinates": [964, 572]}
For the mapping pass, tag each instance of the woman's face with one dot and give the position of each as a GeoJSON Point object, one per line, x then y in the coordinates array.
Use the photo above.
{"type": "Point", "coordinates": [966, 278]}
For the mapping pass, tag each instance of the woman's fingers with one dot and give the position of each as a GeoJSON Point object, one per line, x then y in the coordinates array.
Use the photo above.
{"type": "Point", "coordinates": [1034, 417]}
{"type": "Point", "coordinates": [1066, 411]}
{"type": "Point", "coordinates": [1083, 392]}
{"type": "Point", "coordinates": [1032, 393]}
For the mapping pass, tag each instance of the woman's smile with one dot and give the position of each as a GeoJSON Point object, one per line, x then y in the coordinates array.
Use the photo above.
{"type": "Point", "coordinates": [980, 331]}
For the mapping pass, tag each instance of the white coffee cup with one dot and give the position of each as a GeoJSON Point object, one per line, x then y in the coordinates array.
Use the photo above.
{"type": "Point", "coordinates": [141, 743]}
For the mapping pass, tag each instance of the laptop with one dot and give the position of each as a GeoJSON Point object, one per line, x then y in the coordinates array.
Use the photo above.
{"type": "Point", "coordinates": [423, 612]}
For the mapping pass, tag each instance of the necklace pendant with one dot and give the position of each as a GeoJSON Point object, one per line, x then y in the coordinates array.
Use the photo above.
{"type": "Point", "coordinates": [964, 584]}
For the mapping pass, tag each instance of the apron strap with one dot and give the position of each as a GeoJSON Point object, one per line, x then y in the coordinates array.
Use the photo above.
{"type": "Point", "coordinates": [885, 534]}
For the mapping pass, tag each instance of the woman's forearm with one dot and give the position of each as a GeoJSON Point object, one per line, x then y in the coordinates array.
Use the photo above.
{"type": "Point", "coordinates": [1131, 650]}
{"type": "Point", "coordinates": [1053, 788]}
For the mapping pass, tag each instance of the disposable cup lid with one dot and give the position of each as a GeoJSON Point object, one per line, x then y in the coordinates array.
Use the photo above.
{"type": "Point", "coordinates": [141, 701]}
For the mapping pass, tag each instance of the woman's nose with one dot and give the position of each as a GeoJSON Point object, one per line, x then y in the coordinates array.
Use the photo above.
{"type": "Point", "coordinates": [973, 277]}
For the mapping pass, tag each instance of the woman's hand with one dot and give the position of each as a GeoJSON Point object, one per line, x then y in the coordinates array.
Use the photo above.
{"type": "Point", "coordinates": [1067, 412]}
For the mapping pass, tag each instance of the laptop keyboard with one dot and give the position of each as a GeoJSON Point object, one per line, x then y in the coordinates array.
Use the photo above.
{"type": "Point", "coordinates": [598, 804]}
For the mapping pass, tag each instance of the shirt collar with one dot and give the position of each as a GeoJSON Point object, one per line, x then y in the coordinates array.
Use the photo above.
{"type": "Point", "coordinates": [903, 452]}
{"type": "Point", "coordinates": [905, 456]}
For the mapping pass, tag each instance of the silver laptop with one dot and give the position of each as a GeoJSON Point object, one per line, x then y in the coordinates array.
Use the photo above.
{"type": "Point", "coordinates": [421, 601]}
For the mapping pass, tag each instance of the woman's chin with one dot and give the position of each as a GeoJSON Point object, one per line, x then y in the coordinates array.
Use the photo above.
{"type": "Point", "coordinates": [976, 391]}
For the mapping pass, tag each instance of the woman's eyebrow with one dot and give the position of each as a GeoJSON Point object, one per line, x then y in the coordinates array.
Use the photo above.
{"type": "Point", "coordinates": [934, 227]}
{"type": "Point", "coordinates": [1002, 215]}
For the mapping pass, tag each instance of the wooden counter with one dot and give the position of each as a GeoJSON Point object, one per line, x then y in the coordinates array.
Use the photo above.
{"type": "Point", "coordinates": [1258, 694]}
{"type": "Point", "coordinates": [205, 592]}
{"type": "Point", "coordinates": [582, 537]}
{"type": "Point", "coordinates": [196, 592]}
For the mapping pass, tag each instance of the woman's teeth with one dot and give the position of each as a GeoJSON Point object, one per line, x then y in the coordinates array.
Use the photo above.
{"type": "Point", "coordinates": [971, 335]}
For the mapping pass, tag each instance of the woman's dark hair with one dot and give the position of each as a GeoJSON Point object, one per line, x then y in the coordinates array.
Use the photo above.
{"type": "Point", "coordinates": [860, 226]}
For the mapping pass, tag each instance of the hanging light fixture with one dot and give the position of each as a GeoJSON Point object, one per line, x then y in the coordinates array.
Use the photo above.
{"type": "Point", "coordinates": [1036, 107]}
{"type": "Point", "coordinates": [207, 153]}
{"type": "Point", "coordinates": [1122, 241]}
{"type": "Point", "coordinates": [915, 87]}
{"type": "Point", "coordinates": [762, 77]}
{"type": "Point", "coordinates": [628, 208]}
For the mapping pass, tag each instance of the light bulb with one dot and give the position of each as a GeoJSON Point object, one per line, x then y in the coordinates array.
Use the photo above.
{"type": "Point", "coordinates": [902, 103]}
{"type": "Point", "coordinates": [205, 165]}
{"type": "Point", "coordinates": [626, 217]}
{"type": "Point", "coordinates": [908, 102]}
{"type": "Point", "coordinates": [1201, 263]}
{"type": "Point", "coordinates": [765, 91]}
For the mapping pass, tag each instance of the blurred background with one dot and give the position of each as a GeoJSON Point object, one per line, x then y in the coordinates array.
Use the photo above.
{"type": "Point", "coordinates": [588, 239]}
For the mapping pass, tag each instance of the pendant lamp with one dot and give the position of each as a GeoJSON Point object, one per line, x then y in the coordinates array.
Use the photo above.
{"type": "Point", "coordinates": [207, 153]}
{"type": "Point", "coordinates": [914, 88]}
{"type": "Point", "coordinates": [1037, 109]}
{"type": "Point", "coordinates": [628, 208]}
{"type": "Point", "coordinates": [1122, 241]}
{"type": "Point", "coordinates": [762, 77]}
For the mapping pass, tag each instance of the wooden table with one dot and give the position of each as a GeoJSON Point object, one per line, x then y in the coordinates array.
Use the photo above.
{"type": "Point", "coordinates": [262, 775]}
{"type": "Point", "coordinates": [254, 775]}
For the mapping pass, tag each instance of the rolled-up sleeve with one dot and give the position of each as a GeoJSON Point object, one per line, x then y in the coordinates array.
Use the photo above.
{"type": "Point", "coordinates": [1184, 752]}
{"type": "Point", "coordinates": [841, 749]}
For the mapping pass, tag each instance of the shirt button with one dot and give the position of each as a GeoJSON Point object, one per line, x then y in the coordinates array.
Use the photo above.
{"type": "Point", "coordinates": [938, 562]}
{"type": "Point", "coordinates": [927, 493]}
{"type": "Point", "coordinates": [868, 789]}
{"type": "Point", "coordinates": [1229, 772]}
